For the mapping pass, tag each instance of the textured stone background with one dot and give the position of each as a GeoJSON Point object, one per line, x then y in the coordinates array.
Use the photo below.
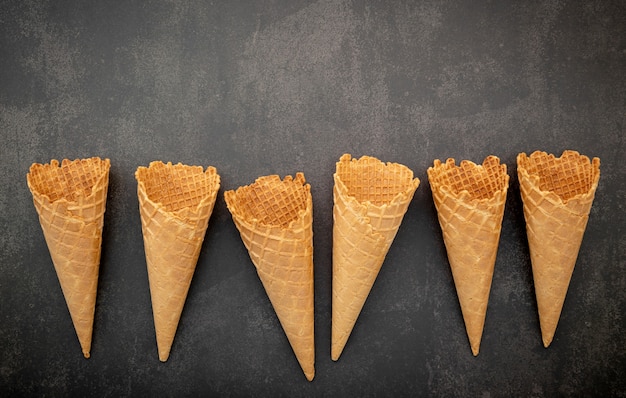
{"type": "Point", "coordinates": [264, 87]}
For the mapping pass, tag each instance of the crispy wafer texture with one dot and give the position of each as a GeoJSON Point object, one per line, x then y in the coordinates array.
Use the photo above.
{"type": "Point", "coordinates": [470, 202]}
{"type": "Point", "coordinates": [557, 194]}
{"type": "Point", "coordinates": [75, 184]}
{"type": "Point", "coordinates": [370, 200]}
{"type": "Point", "coordinates": [275, 220]}
{"type": "Point", "coordinates": [70, 198]}
{"type": "Point", "coordinates": [369, 180]}
{"type": "Point", "coordinates": [567, 176]}
{"type": "Point", "coordinates": [176, 202]}
{"type": "Point", "coordinates": [479, 181]}
{"type": "Point", "coordinates": [272, 201]}
{"type": "Point", "coordinates": [177, 187]}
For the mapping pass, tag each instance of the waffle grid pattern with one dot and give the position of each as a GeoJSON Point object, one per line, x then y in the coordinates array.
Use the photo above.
{"type": "Point", "coordinates": [71, 212]}
{"type": "Point", "coordinates": [470, 202]}
{"type": "Point", "coordinates": [556, 220]}
{"type": "Point", "coordinates": [178, 186]}
{"type": "Point", "coordinates": [275, 220]}
{"type": "Point", "coordinates": [72, 183]}
{"type": "Point", "coordinates": [366, 180]}
{"type": "Point", "coordinates": [271, 201]}
{"type": "Point", "coordinates": [370, 200]}
{"type": "Point", "coordinates": [173, 243]}
{"type": "Point", "coordinates": [568, 176]}
{"type": "Point", "coordinates": [480, 182]}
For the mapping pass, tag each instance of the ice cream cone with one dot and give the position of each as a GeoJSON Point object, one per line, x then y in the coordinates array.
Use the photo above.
{"type": "Point", "coordinates": [470, 203]}
{"type": "Point", "coordinates": [71, 201]}
{"type": "Point", "coordinates": [175, 203]}
{"type": "Point", "coordinates": [370, 200]}
{"type": "Point", "coordinates": [275, 220]}
{"type": "Point", "coordinates": [557, 195]}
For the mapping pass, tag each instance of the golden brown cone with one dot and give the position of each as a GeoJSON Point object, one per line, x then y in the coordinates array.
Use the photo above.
{"type": "Point", "coordinates": [470, 203]}
{"type": "Point", "coordinates": [275, 220]}
{"type": "Point", "coordinates": [557, 195]}
{"type": "Point", "coordinates": [175, 203]}
{"type": "Point", "coordinates": [370, 200]}
{"type": "Point", "coordinates": [70, 201]}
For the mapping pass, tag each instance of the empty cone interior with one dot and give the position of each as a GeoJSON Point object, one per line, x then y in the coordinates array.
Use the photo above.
{"type": "Point", "coordinates": [567, 177]}
{"type": "Point", "coordinates": [176, 202]}
{"type": "Point", "coordinates": [73, 185]}
{"type": "Point", "coordinates": [369, 180]}
{"type": "Point", "coordinates": [469, 179]}
{"type": "Point", "coordinates": [179, 188]}
{"type": "Point", "coordinates": [470, 202]}
{"type": "Point", "coordinates": [558, 193]}
{"type": "Point", "coordinates": [370, 200]}
{"type": "Point", "coordinates": [70, 199]}
{"type": "Point", "coordinates": [274, 218]}
{"type": "Point", "coordinates": [271, 201]}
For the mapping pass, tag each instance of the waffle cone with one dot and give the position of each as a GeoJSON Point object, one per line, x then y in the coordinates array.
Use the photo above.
{"type": "Point", "coordinates": [175, 203]}
{"type": "Point", "coordinates": [275, 220]}
{"type": "Point", "coordinates": [557, 194]}
{"type": "Point", "coordinates": [470, 203]}
{"type": "Point", "coordinates": [70, 200]}
{"type": "Point", "coordinates": [370, 200]}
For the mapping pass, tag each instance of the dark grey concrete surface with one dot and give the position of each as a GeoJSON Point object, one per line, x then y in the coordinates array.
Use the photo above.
{"type": "Point", "coordinates": [276, 87]}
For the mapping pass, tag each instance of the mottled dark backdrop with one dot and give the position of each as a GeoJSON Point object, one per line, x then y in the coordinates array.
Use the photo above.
{"type": "Point", "coordinates": [264, 87]}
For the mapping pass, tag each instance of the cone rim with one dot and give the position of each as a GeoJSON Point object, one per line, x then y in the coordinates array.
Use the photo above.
{"type": "Point", "coordinates": [230, 197]}
{"type": "Point", "coordinates": [56, 164]}
{"type": "Point", "coordinates": [464, 195]}
{"type": "Point", "coordinates": [534, 179]}
{"type": "Point", "coordinates": [399, 197]}
{"type": "Point", "coordinates": [206, 200]}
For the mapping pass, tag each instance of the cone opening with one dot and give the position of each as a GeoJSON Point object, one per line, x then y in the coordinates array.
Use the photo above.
{"type": "Point", "coordinates": [272, 201]}
{"type": "Point", "coordinates": [177, 186]}
{"type": "Point", "coordinates": [369, 179]}
{"type": "Point", "coordinates": [69, 180]}
{"type": "Point", "coordinates": [479, 181]}
{"type": "Point", "coordinates": [570, 175]}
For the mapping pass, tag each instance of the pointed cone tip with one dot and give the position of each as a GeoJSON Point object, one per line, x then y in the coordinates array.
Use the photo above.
{"type": "Point", "coordinates": [335, 352]}
{"type": "Point", "coordinates": [164, 354]}
{"type": "Point", "coordinates": [86, 354]}
{"type": "Point", "coordinates": [547, 337]}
